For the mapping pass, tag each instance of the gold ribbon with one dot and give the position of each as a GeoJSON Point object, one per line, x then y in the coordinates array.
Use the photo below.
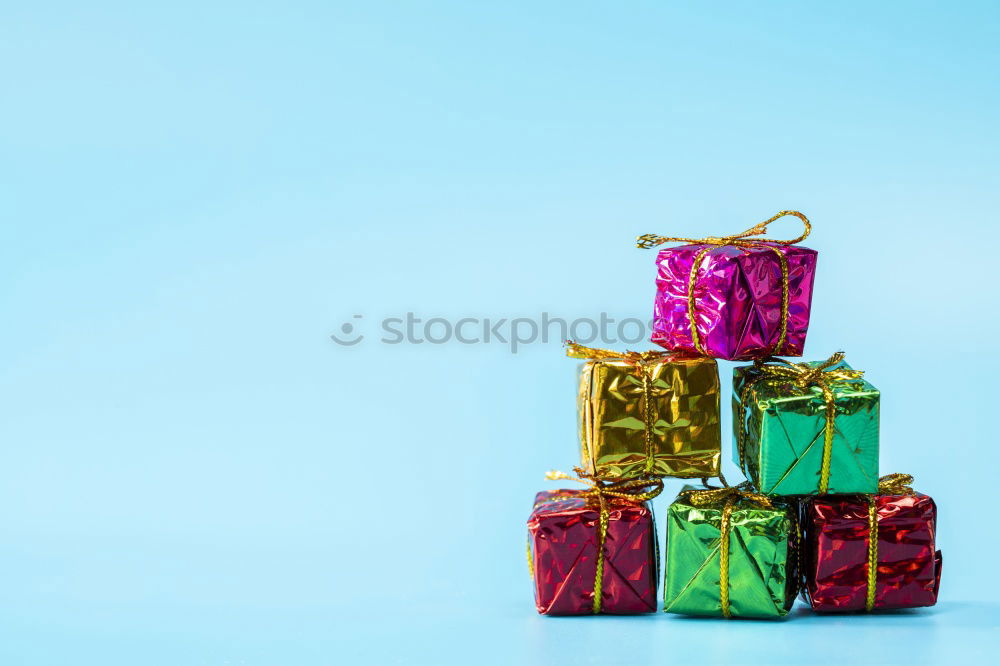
{"type": "Point", "coordinates": [895, 484]}
{"type": "Point", "coordinates": [576, 350]}
{"type": "Point", "coordinates": [890, 484]}
{"type": "Point", "coordinates": [728, 496]}
{"type": "Point", "coordinates": [752, 237]}
{"type": "Point", "coordinates": [637, 490]}
{"type": "Point", "coordinates": [824, 376]}
{"type": "Point", "coordinates": [638, 361]}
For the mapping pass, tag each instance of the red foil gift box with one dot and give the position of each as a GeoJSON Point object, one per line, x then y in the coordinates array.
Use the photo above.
{"type": "Point", "coordinates": [739, 297]}
{"type": "Point", "coordinates": [837, 550]}
{"type": "Point", "coordinates": [564, 545]}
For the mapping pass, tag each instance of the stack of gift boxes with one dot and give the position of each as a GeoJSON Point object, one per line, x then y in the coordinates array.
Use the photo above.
{"type": "Point", "coordinates": [813, 516]}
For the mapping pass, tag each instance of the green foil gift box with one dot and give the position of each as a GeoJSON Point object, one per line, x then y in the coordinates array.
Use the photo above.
{"type": "Point", "coordinates": [648, 414]}
{"type": "Point", "coordinates": [806, 428]}
{"type": "Point", "coordinates": [731, 552]}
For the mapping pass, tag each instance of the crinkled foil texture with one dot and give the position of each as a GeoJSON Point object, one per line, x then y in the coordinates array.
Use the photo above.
{"type": "Point", "coordinates": [563, 538]}
{"type": "Point", "coordinates": [763, 577]}
{"type": "Point", "coordinates": [738, 292]}
{"type": "Point", "coordinates": [686, 431]}
{"type": "Point", "coordinates": [835, 552]}
{"type": "Point", "coordinates": [783, 433]}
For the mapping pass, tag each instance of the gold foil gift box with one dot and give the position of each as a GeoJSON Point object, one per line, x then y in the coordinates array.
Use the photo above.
{"type": "Point", "coordinates": [648, 414]}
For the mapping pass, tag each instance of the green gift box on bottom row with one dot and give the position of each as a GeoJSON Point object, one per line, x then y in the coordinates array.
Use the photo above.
{"type": "Point", "coordinates": [806, 428]}
{"type": "Point", "coordinates": [730, 553]}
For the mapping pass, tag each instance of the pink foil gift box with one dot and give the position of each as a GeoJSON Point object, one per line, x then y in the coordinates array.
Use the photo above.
{"type": "Point", "coordinates": [749, 297]}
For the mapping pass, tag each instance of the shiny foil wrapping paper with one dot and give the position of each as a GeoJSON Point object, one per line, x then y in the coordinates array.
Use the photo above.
{"type": "Point", "coordinates": [835, 552]}
{"type": "Point", "coordinates": [763, 575]}
{"type": "Point", "coordinates": [563, 539]}
{"type": "Point", "coordinates": [783, 435]}
{"type": "Point", "coordinates": [684, 422]}
{"type": "Point", "coordinates": [739, 293]}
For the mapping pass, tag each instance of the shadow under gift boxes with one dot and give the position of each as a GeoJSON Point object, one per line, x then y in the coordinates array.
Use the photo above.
{"type": "Point", "coordinates": [649, 414]}
{"type": "Point", "coordinates": [568, 558]}
{"type": "Point", "coordinates": [838, 548]}
{"type": "Point", "coordinates": [791, 440]}
{"type": "Point", "coordinates": [736, 302]}
{"type": "Point", "coordinates": [734, 556]}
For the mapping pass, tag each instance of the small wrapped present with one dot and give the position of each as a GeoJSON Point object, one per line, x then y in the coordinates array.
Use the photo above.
{"type": "Point", "coordinates": [738, 297]}
{"type": "Point", "coordinates": [648, 414]}
{"type": "Point", "coordinates": [806, 428]}
{"type": "Point", "coordinates": [594, 550]}
{"type": "Point", "coordinates": [867, 552]}
{"type": "Point", "coordinates": [731, 552]}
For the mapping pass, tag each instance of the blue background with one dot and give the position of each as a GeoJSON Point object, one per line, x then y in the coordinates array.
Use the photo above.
{"type": "Point", "coordinates": [194, 197]}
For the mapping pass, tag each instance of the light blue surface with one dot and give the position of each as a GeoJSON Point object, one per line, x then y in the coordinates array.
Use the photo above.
{"type": "Point", "coordinates": [195, 197]}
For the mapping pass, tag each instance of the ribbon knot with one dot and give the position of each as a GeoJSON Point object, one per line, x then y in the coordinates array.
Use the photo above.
{"type": "Point", "coordinates": [576, 350]}
{"type": "Point", "coordinates": [726, 495]}
{"type": "Point", "coordinates": [804, 375]}
{"type": "Point", "coordinates": [755, 235]}
{"type": "Point", "coordinates": [895, 484]}
{"type": "Point", "coordinates": [637, 490]}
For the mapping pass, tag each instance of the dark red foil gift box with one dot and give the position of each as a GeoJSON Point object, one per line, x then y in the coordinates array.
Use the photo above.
{"type": "Point", "coordinates": [563, 540]}
{"type": "Point", "coordinates": [837, 548]}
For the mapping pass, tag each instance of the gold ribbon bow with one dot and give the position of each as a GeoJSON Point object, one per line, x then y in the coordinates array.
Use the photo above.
{"type": "Point", "coordinates": [752, 237]}
{"type": "Point", "coordinates": [727, 496]}
{"type": "Point", "coordinates": [637, 490]}
{"type": "Point", "coordinates": [895, 484]}
{"type": "Point", "coordinates": [823, 376]}
{"type": "Point", "coordinates": [576, 350]}
{"type": "Point", "coordinates": [638, 361]}
{"type": "Point", "coordinates": [890, 484]}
